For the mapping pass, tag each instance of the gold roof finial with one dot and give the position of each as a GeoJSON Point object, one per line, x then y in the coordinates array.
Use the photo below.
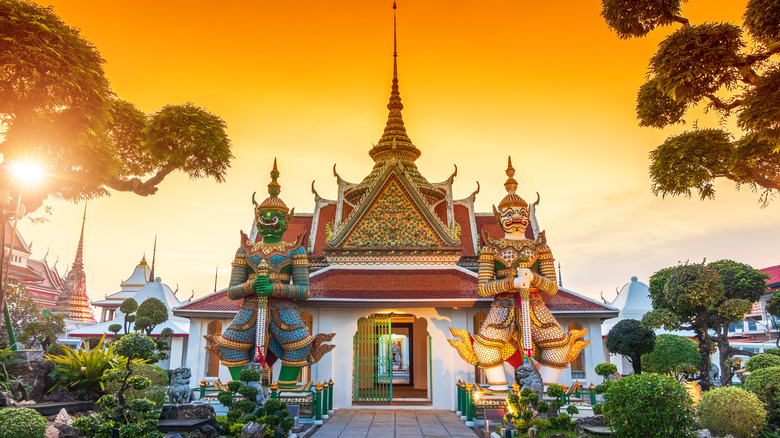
{"type": "Point", "coordinates": [511, 199]}
{"type": "Point", "coordinates": [394, 128]}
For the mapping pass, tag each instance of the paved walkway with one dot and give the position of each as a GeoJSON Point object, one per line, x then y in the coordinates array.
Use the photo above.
{"type": "Point", "coordinates": [395, 423]}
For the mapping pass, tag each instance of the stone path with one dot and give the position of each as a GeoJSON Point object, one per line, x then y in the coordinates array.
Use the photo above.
{"type": "Point", "coordinates": [395, 423]}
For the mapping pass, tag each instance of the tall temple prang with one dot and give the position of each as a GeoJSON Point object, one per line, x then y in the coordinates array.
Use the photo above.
{"type": "Point", "coordinates": [73, 302]}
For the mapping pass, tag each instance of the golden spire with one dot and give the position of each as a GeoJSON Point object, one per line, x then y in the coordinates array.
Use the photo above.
{"type": "Point", "coordinates": [154, 256]}
{"type": "Point", "coordinates": [511, 199]}
{"type": "Point", "coordinates": [78, 263]}
{"type": "Point", "coordinates": [394, 141]}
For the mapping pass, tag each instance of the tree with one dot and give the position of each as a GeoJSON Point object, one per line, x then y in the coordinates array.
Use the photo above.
{"type": "Point", "coordinates": [670, 352]}
{"type": "Point", "coordinates": [128, 307]}
{"type": "Point", "coordinates": [57, 105]}
{"type": "Point", "coordinates": [773, 308]}
{"type": "Point", "coordinates": [150, 313]}
{"type": "Point", "coordinates": [705, 299]}
{"type": "Point", "coordinates": [33, 326]}
{"type": "Point", "coordinates": [629, 339]}
{"type": "Point", "coordinates": [709, 65]}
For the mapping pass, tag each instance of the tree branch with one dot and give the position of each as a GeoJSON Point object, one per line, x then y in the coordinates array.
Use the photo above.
{"type": "Point", "coordinates": [719, 104]}
{"type": "Point", "coordinates": [756, 177]}
{"type": "Point", "coordinates": [683, 20]}
{"type": "Point", "coordinates": [135, 185]}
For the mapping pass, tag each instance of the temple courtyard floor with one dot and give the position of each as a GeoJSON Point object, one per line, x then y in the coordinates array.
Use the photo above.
{"type": "Point", "coordinates": [396, 423]}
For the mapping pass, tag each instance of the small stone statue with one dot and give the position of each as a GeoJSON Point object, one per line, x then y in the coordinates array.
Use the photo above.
{"type": "Point", "coordinates": [179, 392]}
{"type": "Point", "coordinates": [527, 376]}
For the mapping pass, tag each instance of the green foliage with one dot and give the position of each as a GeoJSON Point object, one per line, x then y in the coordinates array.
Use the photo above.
{"type": "Point", "coordinates": [635, 18]}
{"type": "Point", "coordinates": [55, 95]}
{"type": "Point", "coordinates": [765, 383]}
{"type": "Point", "coordinates": [249, 375]}
{"type": "Point", "coordinates": [670, 352]}
{"type": "Point", "coordinates": [648, 405]}
{"type": "Point", "coordinates": [543, 407]}
{"type": "Point", "coordinates": [32, 326]}
{"type": "Point", "coordinates": [9, 357]}
{"type": "Point", "coordinates": [562, 422]}
{"type": "Point", "coordinates": [656, 109]}
{"type": "Point", "coordinates": [773, 308]}
{"type": "Point", "coordinates": [124, 412]}
{"type": "Point", "coordinates": [606, 369]}
{"type": "Point", "coordinates": [151, 313]}
{"type": "Point", "coordinates": [730, 410]}
{"type": "Point", "coordinates": [114, 328]}
{"type": "Point", "coordinates": [699, 64]}
{"type": "Point", "coordinates": [773, 351]}
{"type": "Point", "coordinates": [128, 306]}
{"type": "Point", "coordinates": [555, 390]}
{"type": "Point", "coordinates": [82, 368]}
{"type": "Point", "coordinates": [243, 410]}
{"type": "Point", "coordinates": [572, 410]}
{"type": "Point", "coordinates": [21, 423]}
{"type": "Point", "coordinates": [598, 409]}
{"type": "Point", "coordinates": [136, 346]}
{"type": "Point", "coordinates": [763, 360]}
{"type": "Point", "coordinates": [629, 339]}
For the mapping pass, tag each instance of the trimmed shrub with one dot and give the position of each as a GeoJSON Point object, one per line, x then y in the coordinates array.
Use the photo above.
{"type": "Point", "coordinates": [648, 405]}
{"type": "Point", "coordinates": [775, 351]}
{"type": "Point", "coordinates": [156, 392]}
{"type": "Point", "coordinates": [731, 410]}
{"type": "Point", "coordinates": [606, 369]}
{"type": "Point", "coordinates": [21, 423]}
{"type": "Point", "coordinates": [765, 383]}
{"type": "Point", "coordinates": [762, 360]}
{"type": "Point", "coordinates": [670, 352]}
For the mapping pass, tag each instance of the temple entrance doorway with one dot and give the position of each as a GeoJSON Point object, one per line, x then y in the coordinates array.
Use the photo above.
{"type": "Point", "coordinates": [391, 360]}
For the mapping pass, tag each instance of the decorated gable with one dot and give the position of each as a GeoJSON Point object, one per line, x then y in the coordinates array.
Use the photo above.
{"type": "Point", "coordinates": [393, 219]}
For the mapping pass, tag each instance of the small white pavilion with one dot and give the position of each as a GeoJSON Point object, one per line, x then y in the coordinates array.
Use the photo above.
{"type": "Point", "coordinates": [128, 289]}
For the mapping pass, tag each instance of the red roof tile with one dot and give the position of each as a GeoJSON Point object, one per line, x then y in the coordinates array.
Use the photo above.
{"type": "Point", "coordinates": [327, 215]}
{"type": "Point", "coordinates": [774, 277]}
{"type": "Point", "coordinates": [350, 287]}
{"type": "Point", "coordinates": [466, 239]}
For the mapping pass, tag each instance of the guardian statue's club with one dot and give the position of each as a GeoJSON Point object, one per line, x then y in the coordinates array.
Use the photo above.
{"type": "Point", "coordinates": [269, 276]}
{"type": "Point", "coordinates": [515, 270]}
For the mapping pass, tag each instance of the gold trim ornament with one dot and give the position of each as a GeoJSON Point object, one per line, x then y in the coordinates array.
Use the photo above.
{"type": "Point", "coordinates": [273, 202]}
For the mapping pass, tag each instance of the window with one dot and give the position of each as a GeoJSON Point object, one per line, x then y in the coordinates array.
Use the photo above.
{"type": "Point", "coordinates": [308, 321]}
{"type": "Point", "coordinates": [578, 365]}
{"type": "Point", "coordinates": [212, 360]}
{"type": "Point", "coordinates": [479, 319]}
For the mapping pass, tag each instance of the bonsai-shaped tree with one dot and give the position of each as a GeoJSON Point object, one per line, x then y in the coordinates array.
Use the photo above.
{"type": "Point", "coordinates": [705, 299]}
{"type": "Point", "coordinates": [151, 313]}
{"type": "Point", "coordinates": [128, 307]}
{"type": "Point", "coordinates": [671, 351]}
{"type": "Point", "coordinates": [628, 338]}
{"type": "Point", "coordinates": [120, 417]}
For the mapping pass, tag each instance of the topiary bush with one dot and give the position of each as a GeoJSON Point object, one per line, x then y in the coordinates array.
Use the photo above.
{"type": "Point", "coordinates": [730, 410]}
{"type": "Point", "coordinates": [606, 369]}
{"type": "Point", "coordinates": [670, 352]}
{"type": "Point", "coordinates": [156, 392]}
{"type": "Point", "coordinates": [648, 405]}
{"type": "Point", "coordinates": [21, 423]}
{"type": "Point", "coordinates": [775, 351]}
{"type": "Point", "coordinates": [762, 360]}
{"type": "Point", "coordinates": [765, 383]}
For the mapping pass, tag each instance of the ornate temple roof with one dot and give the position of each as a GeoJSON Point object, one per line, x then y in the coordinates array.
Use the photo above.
{"type": "Point", "coordinates": [73, 302]}
{"type": "Point", "coordinates": [774, 278]}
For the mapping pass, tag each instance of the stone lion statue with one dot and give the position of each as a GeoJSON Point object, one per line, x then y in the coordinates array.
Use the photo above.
{"type": "Point", "coordinates": [179, 392]}
{"type": "Point", "coordinates": [528, 377]}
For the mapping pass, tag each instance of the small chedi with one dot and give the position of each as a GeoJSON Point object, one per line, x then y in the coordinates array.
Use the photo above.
{"type": "Point", "coordinates": [268, 276]}
{"type": "Point", "coordinates": [519, 328]}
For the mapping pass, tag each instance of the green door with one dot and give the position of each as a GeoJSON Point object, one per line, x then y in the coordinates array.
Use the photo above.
{"type": "Point", "coordinates": [372, 375]}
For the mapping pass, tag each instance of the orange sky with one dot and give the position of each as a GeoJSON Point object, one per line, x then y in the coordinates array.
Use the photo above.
{"type": "Point", "coordinates": [308, 82]}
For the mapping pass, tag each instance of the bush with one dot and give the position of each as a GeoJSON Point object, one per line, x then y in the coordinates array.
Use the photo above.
{"type": "Point", "coordinates": [731, 410]}
{"type": "Point", "coordinates": [136, 346]}
{"type": "Point", "coordinates": [648, 405]}
{"type": "Point", "coordinates": [21, 423]}
{"type": "Point", "coordinates": [670, 352]}
{"type": "Point", "coordinates": [156, 392]}
{"type": "Point", "coordinates": [775, 351]}
{"type": "Point", "coordinates": [765, 383]}
{"type": "Point", "coordinates": [597, 409]}
{"type": "Point", "coordinates": [606, 369]}
{"type": "Point", "coordinates": [762, 360]}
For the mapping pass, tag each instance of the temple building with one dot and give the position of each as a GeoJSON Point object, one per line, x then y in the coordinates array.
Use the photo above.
{"type": "Point", "coordinates": [42, 282]}
{"type": "Point", "coordinates": [73, 302]}
{"type": "Point", "coordinates": [393, 267]}
{"type": "Point", "coordinates": [127, 289]}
